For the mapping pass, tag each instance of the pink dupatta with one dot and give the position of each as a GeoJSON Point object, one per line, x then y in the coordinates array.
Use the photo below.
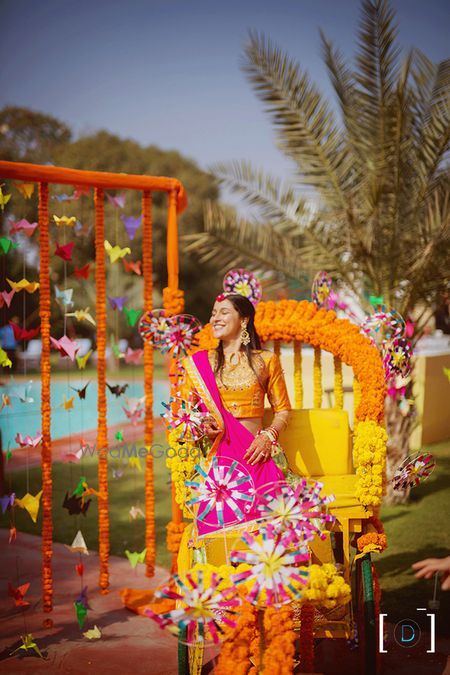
{"type": "Point", "coordinates": [232, 444]}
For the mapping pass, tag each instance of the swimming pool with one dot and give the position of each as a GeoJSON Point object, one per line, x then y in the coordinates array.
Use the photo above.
{"type": "Point", "coordinates": [26, 417]}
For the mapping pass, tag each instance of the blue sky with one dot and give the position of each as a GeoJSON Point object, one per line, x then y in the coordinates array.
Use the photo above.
{"type": "Point", "coordinates": [167, 72]}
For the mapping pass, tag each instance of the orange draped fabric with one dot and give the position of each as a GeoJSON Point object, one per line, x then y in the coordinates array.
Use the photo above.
{"type": "Point", "coordinates": [147, 257]}
{"type": "Point", "coordinates": [46, 450]}
{"type": "Point", "coordinates": [102, 430]}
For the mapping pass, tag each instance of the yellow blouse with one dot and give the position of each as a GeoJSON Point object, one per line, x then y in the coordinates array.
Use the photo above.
{"type": "Point", "coordinates": [243, 392]}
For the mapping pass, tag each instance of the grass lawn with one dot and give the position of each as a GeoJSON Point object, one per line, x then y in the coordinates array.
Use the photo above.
{"type": "Point", "coordinates": [417, 530]}
{"type": "Point", "coordinates": [420, 529]}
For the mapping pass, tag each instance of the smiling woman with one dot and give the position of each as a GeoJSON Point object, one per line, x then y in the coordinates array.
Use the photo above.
{"type": "Point", "coordinates": [231, 382]}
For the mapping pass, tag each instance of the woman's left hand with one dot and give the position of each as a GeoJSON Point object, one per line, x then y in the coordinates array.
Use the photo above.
{"type": "Point", "coordinates": [259, 451]}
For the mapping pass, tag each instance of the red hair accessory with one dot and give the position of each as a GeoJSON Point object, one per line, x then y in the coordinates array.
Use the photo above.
{"type": "Point", "coordinates": [220, 297]}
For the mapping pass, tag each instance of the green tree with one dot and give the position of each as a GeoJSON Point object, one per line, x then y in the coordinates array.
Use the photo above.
{"type": "Point", "coordinates": [377, 212]}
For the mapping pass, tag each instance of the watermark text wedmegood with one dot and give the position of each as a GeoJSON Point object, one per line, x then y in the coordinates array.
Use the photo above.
{"type": "Point", "coordinates": [126, 451]}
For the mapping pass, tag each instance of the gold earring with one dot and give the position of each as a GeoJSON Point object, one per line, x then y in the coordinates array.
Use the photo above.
{"type": "Point", "coordinates": [245, 335]}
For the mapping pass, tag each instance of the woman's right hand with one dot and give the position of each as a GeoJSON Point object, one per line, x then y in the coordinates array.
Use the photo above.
{"type": "Point", "coordinates": [210, 427]}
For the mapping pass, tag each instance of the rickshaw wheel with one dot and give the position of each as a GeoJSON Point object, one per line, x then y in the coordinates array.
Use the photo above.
{"type": "Point", "coordinates": [366, 619]}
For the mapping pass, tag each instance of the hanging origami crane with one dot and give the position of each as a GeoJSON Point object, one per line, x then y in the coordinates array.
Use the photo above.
{"type": "Point", "coordinates": [132, 315]}
{"type": "Point", "coordinates": [203, 609]}
{"type": "Point", "coordinates": [118, 200]}
{"type": "Point", "coordinates": [4, 199]}
{"type": "Point", "coordinates": [133, 355]}
{"type": "Point", "coordinates": [135, 557]}
{"type": "Point", "coordinates": [31, 441]}
{"type": "Point", "coordinates": [18, 594]}
{"type": "Point", "coordinates": [117, 302]}
{"type": "Point", "coordinates": [64, 297]}
{"type": "Point", "coordinates": [133, 266]}
{"type": "Point", "coordinates": [81, 391]}
{"type": "Point", "coordinates": [115, 252]}
{"type": "Point", "coordinates": [22, 392]}
{"type": "Point", "coordinates": [78, 545]}
{"type": "Point", "coordinates": [31, 504]}
{"type": "Point", "coordinates": [136, 512]}
{"type": "Point", "coordinates": [23, 333]}
{"type": "Point", "coordinates": [82, 360]}
{"type": "Point", "coordinates": [5, 361]}
{"type": "Point", "coordinates": [67, 404]}
{"type": "Point", "coordinates": [24, 226]}
{"type": "Point", "coordinates": [65, 346]}
{"type": "Point", "coordinates": [131, 224]}
{"type": "Point", "coordinates": [23, 285]}
{"type": "Point", "coordinates": [65, 221]}
{"type": "Point", "coordinates": [117, 389]}
{"type": "Point", "coordinates": [82, 230]}
{"type": "Point", "coordinates": [93, 633]}
{"type": "Point", "coordinates": [6, 297]}
{"type": "Point", "coordinates": [82, 272]}
{"type": "Point", "coordinates": [25, 189]}
{"type": "Point", "coordinates": [65, 251]}
{"type": "Point", "coordinates": [7, 245]}
{"type": "Point", "coordinates": [83, 315]}
{"type": "Point", "coordinates": [7, 502]}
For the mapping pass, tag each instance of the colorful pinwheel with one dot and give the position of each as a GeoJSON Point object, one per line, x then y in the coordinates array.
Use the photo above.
{"type": "Point", "coordinates": [185, 415]}
{"type": "Point", "coordinates": [274, 578]}
{"type": "Point", "coordinates": [205, 610]}
{"type": "Point", "coordinates": [413, 470]}
{"type": "Point", "coordinates": [225, 490]}
{"type": "Point", "coordinates": [397, 355]}
{"type": "Point", "coordinates": [244, 283]}
{"type": "Point", "coordinates": [180, 336]}
{"type": "Point", "coordinates": [383, 325]}
{"type": "Point", "coordinates": [154, 326]}
{"type": "Point", "coordinates": [300, 510]}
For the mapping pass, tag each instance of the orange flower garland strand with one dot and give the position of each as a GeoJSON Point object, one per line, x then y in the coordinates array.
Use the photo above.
{"type": "Point", "coordinates": [46, 449]}
{"type": "Point", "coordinates": [102, 432]}
{"type": "Point", "coordinates": [280, 637]}
{"type": "Point", "coordinates": [234, 657]}
{"type": "Point", "coordinates": [147, 265]}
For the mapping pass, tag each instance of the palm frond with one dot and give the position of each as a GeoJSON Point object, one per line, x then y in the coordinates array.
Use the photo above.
{"type": "Point", "coordinates": [275, 203]}
{"type": "Point", "coordinates": [306, 127]}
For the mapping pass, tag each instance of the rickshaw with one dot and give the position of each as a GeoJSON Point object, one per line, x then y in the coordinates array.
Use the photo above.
{"type": "Point", "coordinates": [318, 445]}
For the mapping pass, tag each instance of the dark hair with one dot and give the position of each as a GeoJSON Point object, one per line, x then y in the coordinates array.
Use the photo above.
{"type": "Point", "coordinates": [245, 310]}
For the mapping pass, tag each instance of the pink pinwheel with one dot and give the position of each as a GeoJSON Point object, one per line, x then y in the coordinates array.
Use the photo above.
{"type": "Point", "coordinates": [23, 226]}
{"type": "Point", "coordinates": [31, 441]}
{"type": "Point", "coordinates": [118, 200]}
{"type": "Point", "coordinates": [244, 283]}
{"type": "Point", "coordinates": [184, 415]}
{"type": "Point", "coordinates": [65, 251]}
{"type": "Point", "coordinates": [181, 335]}
{"type": "Point", "coordinates": [5, 297]}
{"type": "Point", "coordinates": [300, 510]}
{"type": "Point", "coordinates": [117, 302]}
{"type": "Point", "coordinates": [274, 577]}
{"type": "Point", "coordinates": [131, 224]}
{"type": "Point", "coordinates": [204, 611]}
{"type": "Point", "coordinates": [413, 470]}
{"type": "Point", "coordinates": [224, 489]}
{"type": "Point", "coordinates": [65, 346]}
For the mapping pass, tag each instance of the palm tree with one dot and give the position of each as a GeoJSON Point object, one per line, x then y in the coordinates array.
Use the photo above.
{"type": "Point", "coordinates": [377, 211]}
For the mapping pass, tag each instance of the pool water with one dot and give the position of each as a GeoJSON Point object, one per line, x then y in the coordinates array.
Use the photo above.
{"type": "Point", "coordinates": [26, 417]}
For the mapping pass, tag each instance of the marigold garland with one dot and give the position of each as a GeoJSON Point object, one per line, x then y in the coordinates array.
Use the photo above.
{"type": "Point", "coordinates": [173, 300]}
{"type": "Point", "coordinates": [174, 535]}
{"type": "Point", "coordinates": [46, 450]}
{"type": "Point", "coordinates": [181, 461]}
{"type": "Point", "coordinates": [369, 455]}
{"type": "Point", "coordinates": [280, 639]}
{"type": "Point", "coordinates": [147, 265]}
{"type": "Point", "coordinates": [317, 377]}
{"type": "Point", "coordinates": [102, 431]}
{"type": "Point", "coordinates": [234, 657]}
{"type": "Point", "coordinates": [372, 541]}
